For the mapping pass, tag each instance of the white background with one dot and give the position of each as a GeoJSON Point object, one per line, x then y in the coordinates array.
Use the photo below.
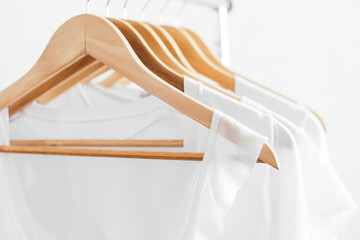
{"type": "Point", "coordinates": [308, 49]}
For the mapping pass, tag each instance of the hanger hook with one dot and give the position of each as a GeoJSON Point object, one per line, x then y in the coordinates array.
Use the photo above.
{"type": "Point", "coordinates": [142, 14]}
{"type": "Point", "coordinates": [125, 10]}
{"type": "Point", "coordinates": [161, 15]}
{"type": "Point", "coordinates": [107, 8]}
{"type": "Point", "coordinates": [177, 16]}
{"type": "Point", "coordinates": [87, 6]}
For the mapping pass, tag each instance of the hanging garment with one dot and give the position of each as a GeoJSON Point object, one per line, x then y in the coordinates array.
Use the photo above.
{"type": "Point", "coordinates": [268, 198]}
{"type": "Point", "coordinates": [325, 220]}
{"type": "Point", "coordinates": [330, 206]}
{"type": "Point", "coordinates": [283, 192]}
{"type": "Point", "coordinates": [101, 198]}
{"type": "Point", "coordinates": [295, 113]}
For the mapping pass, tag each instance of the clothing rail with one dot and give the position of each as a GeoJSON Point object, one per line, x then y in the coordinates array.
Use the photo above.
{"type": "Point", "coordinates": [223, 7]}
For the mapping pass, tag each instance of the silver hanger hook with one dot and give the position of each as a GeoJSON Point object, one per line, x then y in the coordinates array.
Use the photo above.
{"type": "Point", "coordinates": [177, 16]}
{"type": "Point", "coordinates": [142, 14]}
{"type": "Point", "coordinates": [107, 8]}
{"type": "Point", "coordinates": [87, 6]}
{"type": "Point", "coordinates": [125, 10]}
{"type": "Point", "coordinates": [161, 15]}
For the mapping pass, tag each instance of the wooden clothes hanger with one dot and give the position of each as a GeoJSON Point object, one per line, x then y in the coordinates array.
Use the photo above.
{"type": "Point", "coordinates": [199, 61]}
{"type": "Point", "coordinates": [94, 68]}
{"type": "Point", "coordinates": [158, 46]}
{"type": "Point", "coordinates": [201, 45]}
{"type": "Point", "coordinates": [100, 38]}
{"type": "Point", "coordinates": [149, 43]}
{"type": "Point", "coordinates": [143, 51]}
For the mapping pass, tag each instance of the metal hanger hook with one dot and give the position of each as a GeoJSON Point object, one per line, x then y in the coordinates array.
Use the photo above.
{"type": "Point", "coordinates": [87, 6]}
{"type": "Point", "coordinates": [125, 10]}
{"type": "Point", "coordinates": [177, 16]}
{"type": "Point", "coordinates": [161, 14]}
{"type": "Point", "coordinates": [142, 14]}
{"type": "Point", "coordinates": [107, 8]}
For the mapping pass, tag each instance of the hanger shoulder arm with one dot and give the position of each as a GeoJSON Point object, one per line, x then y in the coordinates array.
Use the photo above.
{"type": "Point", "coordinates": [66, 46]}
{"type": "Point", "coordinates": [198, 60]}
{"type": "Point", "coordinates": [106, 43]}
{"type": "Point", "coordinates": [147, 56]}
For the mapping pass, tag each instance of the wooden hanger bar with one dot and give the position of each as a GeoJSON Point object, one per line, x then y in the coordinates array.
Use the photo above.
{"type": "Point", "coordinates": [98, 143]}
{"type": "Point", "coordinates": [68, 82]}
{"type": "Point", "coordinates": [111, 80]}
{"type": "Point", "coordinates": [28, 147]}
{"type": "Point", "coordinates": [95, 74]}
{"type": "Point", "coordinates": [103, 153]}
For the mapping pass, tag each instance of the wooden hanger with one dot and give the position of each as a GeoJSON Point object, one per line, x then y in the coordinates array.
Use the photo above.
{"type": "Point", "coordinates": [100, 38]}
{"type": "Point", "coordinates": [170, 44]}
{"type": "Point", "coordinates": [95, 74]}
{"type": "Point", "coordinates": [148, 44]}
{"type": "Point", "coordinates": [98, 143]}
{"type": "Point", "coordinates": [159, 49]}
{"type": "Point", "coordinates": [88, 71]}
{"type": "Point", "coordinates": [143, 51]}
{"type": "Point", "coordinates": [205, 49]}
{"type": "Point", "coordinates": [111, 80]}
{"type": "Point", "coordinates": [199, 61]}
{"type": "Point", "coordinates": [207, 52]}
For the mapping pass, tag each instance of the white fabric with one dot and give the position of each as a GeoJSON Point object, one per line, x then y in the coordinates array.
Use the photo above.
{"type": "Point", "coordinates": [269, 198]}
{"type": "Point", "coordinates": [102, 198]}
{"type": "Point", "coordinates": [272, 197]}
{"type": "Point", "coordinates": [330, 205]}
{"type": "Point", "coordinates": [295, 113]}
{"type": "Point", "coordinates": [14, 218]}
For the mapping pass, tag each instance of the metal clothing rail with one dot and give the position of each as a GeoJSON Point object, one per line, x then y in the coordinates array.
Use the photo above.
{"type": "Point", "coordinates": [222, 7]}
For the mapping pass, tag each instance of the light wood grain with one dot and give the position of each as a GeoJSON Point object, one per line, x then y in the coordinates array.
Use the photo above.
{"type": "Point", "coordinates": [27, 97]}
{"type": "Point", "coordinates": [98, 143]}
{"type": "Point", "coordinates": [170, 44]}
{"type": "Point", "coordinates": [147, 56]}
{"type": "Point", "coordinates": [205, 49]}
{"type": "Point", "coordinates": [207, 52]}
{"type": "Point", "coordinates": [105, 43]}
{"type": "Point", "coordinates": [199, 61]}
{"type": "Point", "coordinates": [67, 46]}
{"type": "Point", "coordinates": [68, 82]}
{"type": "Point", "coordinates": [184, 156]}
{"type": "Point", "coordinates": [95, 74]}
{"type": "Point", "coordinates": [111, 80]}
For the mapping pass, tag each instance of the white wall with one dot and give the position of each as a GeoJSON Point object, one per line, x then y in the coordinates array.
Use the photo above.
{"type": "Point", "coordinates": [307, 49]}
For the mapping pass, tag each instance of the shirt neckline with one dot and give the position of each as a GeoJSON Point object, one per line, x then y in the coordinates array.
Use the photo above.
{"type": "Point", "coordinates": [122, 110]}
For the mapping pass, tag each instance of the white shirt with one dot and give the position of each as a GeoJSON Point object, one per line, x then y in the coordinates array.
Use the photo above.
{"type": "Point", "coordinates": [269, 198]}
{"type": "Point", "coordinates": [67, 197]}
{"type": "Point", "coordinates": [328, 210]}
{"type": "Point", "coordinates": [295, 113]}
{"type": "Point", "coordinates": [330, 205]}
